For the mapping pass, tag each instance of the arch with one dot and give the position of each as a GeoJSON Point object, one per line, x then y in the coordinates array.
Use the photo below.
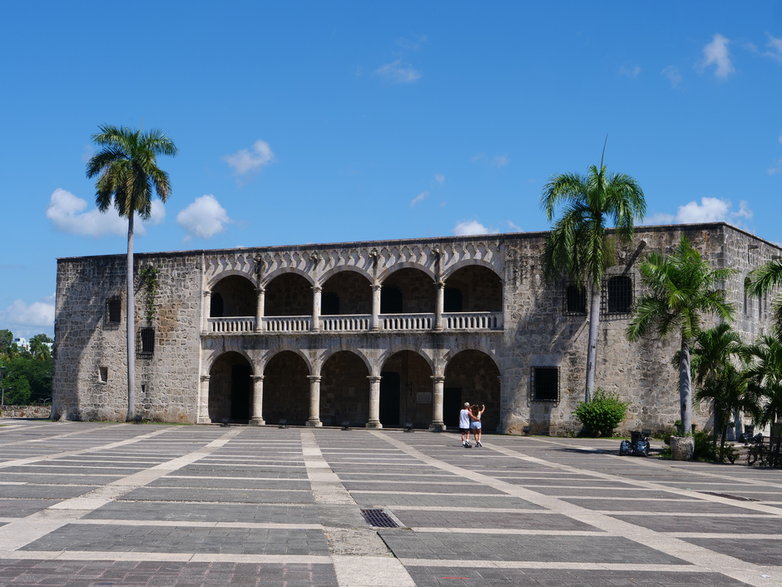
{"type": "Point", "coordinates": [230, 388]}
{"type": "Point", "coordinates": [344, 390]}
{"type": "Point", "coordinates": [228, 273]}
{"type": "Point", "coordinates": [286, 389]}
{"type": "Point", "coordinates": [272, 275]}
{"type": "Point", "coordinates": [398, 266]}
{"type": "Point", "coordinates": [416, 292]}
{"type": "Point", "coordinates": [346, 292]}
{"type": "Point", "coordinates": [472, 376]}
{"type": "Point", "coordinates": [341, 268]}
{"type": "Point", "coordinates": [479, 289]}
{"type": "Point", "coordinates": [406, 390]}
{"type": "Point", "coordinates": [289, 294]}
{"type": "Point", "coordinates": [346, 348]}
{"type": "Point", "coordinates": [451, 269]}
{"type": "Point", "coordinates": [233, 295]}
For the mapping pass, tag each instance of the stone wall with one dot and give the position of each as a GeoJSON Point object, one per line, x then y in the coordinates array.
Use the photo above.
{"type": "Point", "coordinates": [33, 412]}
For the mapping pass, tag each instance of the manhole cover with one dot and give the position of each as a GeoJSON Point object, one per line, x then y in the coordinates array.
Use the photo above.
{"type": "Point", "coordinates": [379, 518]}
{"type": "Point", "coordinates": [729, 496]}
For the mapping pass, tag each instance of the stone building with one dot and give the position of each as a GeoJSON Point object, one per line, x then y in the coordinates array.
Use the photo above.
{"type": "Point", "coordinates": [385, 333]}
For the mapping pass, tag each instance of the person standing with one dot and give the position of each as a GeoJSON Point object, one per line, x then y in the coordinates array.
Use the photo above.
{"type": "Point", "coordinates": [464, 425]}
{"type": "Point", "coordinates": [475, 414]}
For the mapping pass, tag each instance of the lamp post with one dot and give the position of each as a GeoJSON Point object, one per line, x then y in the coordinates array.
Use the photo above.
{"type": "Point", "coordinates": [2, 387]}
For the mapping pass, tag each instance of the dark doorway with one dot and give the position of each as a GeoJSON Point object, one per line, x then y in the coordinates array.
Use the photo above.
{"type": "Point", "coordinates": [452, 405]}
{"type": "Point", "coordinates": [391, 300]}
{"type": "Point", "coordinates": [389, 399]}
{"type": "Point", "coordinates": [240, 392]}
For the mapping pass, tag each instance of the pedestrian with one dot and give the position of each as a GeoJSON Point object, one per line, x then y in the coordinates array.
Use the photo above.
{"type": "Point", "coordinates": [475, 414]}
{"type": "Point", "coordinates": [464, 425]}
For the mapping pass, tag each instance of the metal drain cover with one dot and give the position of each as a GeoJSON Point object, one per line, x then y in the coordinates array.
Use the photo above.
{"type": "Point", "coordinates": [729, 496]}
{"type": "Point", "coordinates": [380, 519]}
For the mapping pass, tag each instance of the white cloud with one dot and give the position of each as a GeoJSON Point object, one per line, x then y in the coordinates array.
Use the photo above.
{"type": "Point", "coordinates": [204, 218]}
{"type": "Point", "coordinates": [411, 43]}
{"type": "Point", "coordinates": [471, 228]}
{"type": "Point", "coordinates": [776, 167]}
{"type": "Point", "coordinates": [440, 178]}
{"type": "Point", "coordinates": [419, 198]}
{"type": "Point", "coordinates": [774, 48]}
{"type": "Point", "coordinates": [68, 214]}
{"type": "Point", "coordinates": [398, 73]}
{"type": "Point", "coordinates": [514, 227]}
{"type": "Point", "coordinates": [246, 161]}
{"type": "Point", "coordinates": [708, 210]}
{"type": "Point", "coordinates": [34, 314]}
{"type": "Point", "coordinates": [673, 75]}
{"type": "Point", "coordinates": [630, 70]}
{"type": "Point", "coordinates": [493, 160]}
{"type": "Point", "coordinates": [716, 53]}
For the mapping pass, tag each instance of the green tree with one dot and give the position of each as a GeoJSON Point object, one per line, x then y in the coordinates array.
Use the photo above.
{"type": "Point", "coordinates": [578, 245]}
{"type": "Point", "coordinates": [764, 370]}
{"type": "Point", "coordinates": [6, 340]}
{"type": "Point", "coordinates": [128, 176]}
{"type": "Point", "coordinates": [764, 279]}
{"type": "Point", "coordinates": [682, 288]}
{"type": "Point", "coordinates": [40, 347]}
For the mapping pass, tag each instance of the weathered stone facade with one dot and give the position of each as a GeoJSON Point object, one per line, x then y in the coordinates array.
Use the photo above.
{"type": "Point", "coordinates": [374, 333]}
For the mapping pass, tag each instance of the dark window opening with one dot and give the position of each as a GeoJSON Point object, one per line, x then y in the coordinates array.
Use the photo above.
{"type": "Point", "coordinates": [103, 374]}
{"type": "Point", "coordinates": [453, 301]}
{"type": "Point", "coordinates": [391, 300]}
{"type": "Point", "coordinates": [575, 299]}
{"type": "Point", "coordinates": [545, 384]}
{"type": "Point", "coordinates": [620, 294]}
{"type": "Point", "coordinates": [216, 306]}
{"type": "Point", "coordinates": [113, 310]}
{"type": "Point", "coordinates": [329, 303]}
{"type": "Point", "coordinates": [147, 341]}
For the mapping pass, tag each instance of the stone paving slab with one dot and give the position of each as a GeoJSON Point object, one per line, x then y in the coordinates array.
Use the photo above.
{"type": "Point", "coordinates": [715, 524]}
{"type": "Point", "coordinates": [219, 495]}
{"type": "Point", "coordinates": [20, 508]}
{"type": "Point", "coordinates": [206, 512]}
{"type": "Point", "coordinates": [758, 551]}
{"type": "Point", "coordinates": [682, 505]}
{"type": "Point", "coordinates": [488, 519]}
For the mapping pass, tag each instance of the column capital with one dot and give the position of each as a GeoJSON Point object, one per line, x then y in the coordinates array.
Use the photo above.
{"type": "Point", "coordinates": [206, 292]}
{"type": "Point", "coordinates": [439, 283]}
{"type": "Point", "coordinates": [256, 377]}
{"type": "Point", "coordinates": [376, 286]}
{"type": "Point", "coordinates": [438, 378]}
{"type": "Point", "coordinates": [204, 378]}
{"type": "Point", "coordinates": [317, 288]}
{"type": "Point", "coordinates": [374, 378]}
{"type": "Point", "coordinates": [260, 289]}
{"type": "Point", "coordinates": [314, 378]}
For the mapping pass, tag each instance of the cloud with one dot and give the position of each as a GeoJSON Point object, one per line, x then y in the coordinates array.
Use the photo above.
{"type": "Point", "coordinates": [419, 198]}
{"type": "Point", "coordinates": [204, 218]}
{"type": "Point", "coordinates": [514, 227]}
{"type": "Point", "coordinates": [411, 43]}
{"type": "Point", "coordinates": [246, 161]}
{"type": "Point", "coordinates": [708, 210]}
{"type": "Point", "coordinates": [672, 74]}
{"type": "Point", "coordinates": [35, 314]}
{"type": "Point", "coordinates": [398, 73]}
{"type": "Point", "coordinates": [471, 228]}
{"type": "Point", "coordinates": [492, 160]}
{"type": "Point", "coordinates": [440, 178]}
{"type": "Point", "coordinates": [716, 53]}
{"type": "Point", "coordinates": [774, 50]}
{"type": "Point", "coordinates": [630, 70]}
{"type": "Point", "coordinates": [68, 214]}
{"type": "Point", "coordinates": [776, 167]}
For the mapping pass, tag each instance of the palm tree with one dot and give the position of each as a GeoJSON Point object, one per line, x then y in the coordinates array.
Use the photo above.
{"type": "Point", "coordinates": [682, 287]}
{"type": "Point", "coordinates": [764, 371]}
{"type": "Point", "coordinates": [578, 245]}
{"type": "Point", "coordinates": [128, 176]}
{"type": "Point", "coordinates": [762, 280]}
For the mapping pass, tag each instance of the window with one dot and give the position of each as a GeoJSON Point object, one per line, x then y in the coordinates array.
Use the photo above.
{"type": "Point", "coordinates": [619, 291]}
{"type": "Point", "coordinates": [103, 374]}
{"type": "Point", "coordinates": [544, 384]}
{"type": "Point", "coordinates": [575, 299]}
{"type": "Point", "coordinates": [113, 310]}
{"type": "Point", "coordinates": [147, 341]}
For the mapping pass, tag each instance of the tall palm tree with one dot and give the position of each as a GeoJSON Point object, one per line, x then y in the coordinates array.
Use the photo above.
{"type": "Point", "coordinates": [128, 175]}
{"type": "Point", "coordinates": [764, 370]}
{"type": "Point", "coordinates": [682, 287]}
{"type": "Point", "coordinates": [764, 279]}
{"type": "Point", "coordinates": [578, 245]}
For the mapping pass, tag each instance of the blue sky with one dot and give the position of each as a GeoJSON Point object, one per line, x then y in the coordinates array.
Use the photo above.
{"type": "Point", "coordinates": [308, 122]}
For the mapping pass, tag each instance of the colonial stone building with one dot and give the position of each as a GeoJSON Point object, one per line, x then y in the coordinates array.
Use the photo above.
{"type": "Point", "coordinates": [386, 333]}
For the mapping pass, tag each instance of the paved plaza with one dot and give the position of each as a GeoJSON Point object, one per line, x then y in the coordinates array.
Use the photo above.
{"type": "Point", "coordinates": [123, 504]}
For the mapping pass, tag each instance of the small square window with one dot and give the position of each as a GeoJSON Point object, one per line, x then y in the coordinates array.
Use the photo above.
{"type": "Point", "coordinates": [113, 310]}
{"type": "Point", "coordinates": [103, 374]}
{"type": "Point", "coordinates": [544, 384]}
{"type": "Point", "coordinates": [619, 295]}
{"type": "Point", "coordinates": [147, 341]}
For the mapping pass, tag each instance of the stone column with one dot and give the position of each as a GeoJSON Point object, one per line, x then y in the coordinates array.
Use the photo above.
{"type": "Point", "coordinates": [206, 310]}
{"type": "Point", "coordinates": [314, 419]}
{"type": "Point", "coordinates": [256, 416]}
{"type": "Point", "coordinates": [203, 401]}
{"type": "Point", "coordinates": [260, 309]}
{"type": "Point", "coordinates": [374, 323]}
{"type": "Point", "coordinates": [438, 424]}
{"type": "Point", "coordinates": [374, 402]}
{"type": "Point", "coordinates": [439, 306]}
{"type": "Point", "coordinates": [316, 291]}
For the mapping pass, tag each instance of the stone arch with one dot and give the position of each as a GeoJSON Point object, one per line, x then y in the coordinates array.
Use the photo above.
{"type": "Point", "coordinates": [233, 295]}
{"type": "Point", "coordinates": [451, 269]}
{"type": "Point", "coordinates": [346, 291]}
{"type": "Point", "coordinates": [272, 275]}
{"type": "Point", "coordinates": [286, 388]}
{"type": "Point", "coordinates": [473, 287]}
{"type": "Point", "coordinates": [326, 275]}
{"type": "Point", "coordinates": [344, 389]}
{"type": "Point", "coordinates": [408, 290]}
{"type": "Point", "coordinates": [289, 293]}
{"type": "Point", "coordinates": [472, 376]}
{"type": "Point", "coordinates": [405, 389]}
{"type": "Point", "coordinates": [394, 267]}
{"type": "Point", "coordinates": [230, 387]}
{"type": "Point", "coordinates": [216, 278]}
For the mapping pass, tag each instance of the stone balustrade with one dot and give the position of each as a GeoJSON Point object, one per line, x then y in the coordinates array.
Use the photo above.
{"type": "Point", "coordinates": [473, 320]}
{"type": "Point", "coordinates": [287, 323]}
{"type": "Point", "coordinates": [234, 325]}
{"type": "Point", "coordinates": [345, 323]}
{"type": "Point", "coordinates": [407, 321]}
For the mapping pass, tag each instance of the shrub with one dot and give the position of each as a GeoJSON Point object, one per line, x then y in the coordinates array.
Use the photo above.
{"type": "Point", "coordinates": [602, 414]}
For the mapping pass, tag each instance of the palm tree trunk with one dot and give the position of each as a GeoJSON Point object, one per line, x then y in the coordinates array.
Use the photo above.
{"type": "Point", "coordinates": [685, 387]}
{"type": "Point", "coordinates": [131, 324]}
{"type": "Point", "coordinates": [594, 324]}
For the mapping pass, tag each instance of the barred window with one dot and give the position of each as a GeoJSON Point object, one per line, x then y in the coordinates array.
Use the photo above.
{"type": "Point", "coordinates": [620, 294]}
{"type": "Point", "coordinates": [544, 384]}
{"type": "Point", "coordinates": [147, 341]}
{"type": "Point", "coordinates": [113, 310]}
{"type": "Point", "coordinates": [575, 299]}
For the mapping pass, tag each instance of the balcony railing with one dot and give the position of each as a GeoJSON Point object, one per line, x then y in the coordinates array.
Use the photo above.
{"type": "Point", "coordinates": [357, 323]}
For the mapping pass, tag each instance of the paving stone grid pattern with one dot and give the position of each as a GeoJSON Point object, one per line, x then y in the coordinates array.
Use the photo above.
{"type": "Point", "coordinates": [122, 504]}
